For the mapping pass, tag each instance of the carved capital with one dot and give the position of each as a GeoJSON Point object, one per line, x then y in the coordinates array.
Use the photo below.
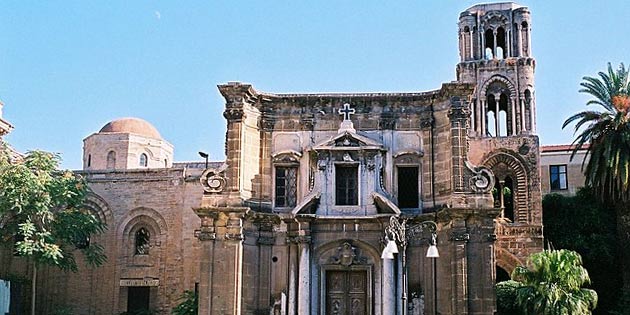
{"type": "Point", "coordinates": [233, 114]}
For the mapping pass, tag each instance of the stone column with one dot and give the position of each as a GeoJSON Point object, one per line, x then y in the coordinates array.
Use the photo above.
{"type": "Point", "coordinates": [519, 41]}
{"type": "Point", "coordinates": [494, 49]}
{"type": "Point", "coordinates": [497, 99]}
{"type": "Point", "coordinates": [470, 49]}
{"type": "Point", "coordinates": [473, 123]}
{"type": "Point", "coordinates": [222, 277]}
{"type": "Point", "coordinates": [459, 267]}
{"type": "Point", "coordinates": [523, 126]}
{"type": "Point", "coordinates": [508, 40]}
{"type": "Point", "coordinates": [529, 41]}
{"type": "Point", "coordinates": [389, 289]}
{"type": "Point", "coordinates": [532, 117]}
{"type": "Point", "coordinates": [206, 236]}
{"type": "Point", "coordinates": [483, 43]}
{"type": "Point", "coordinates": [292, 279]}
{"type": "Point", "coordinates": [484, 118]}
{"type": "Point", "coordinates": [513, 112]}
{"type": "Point", "coordinates": [304, 288]}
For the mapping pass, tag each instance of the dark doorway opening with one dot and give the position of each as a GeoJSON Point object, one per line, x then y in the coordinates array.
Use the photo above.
{"type": "Point", "coordinates": [138, 300]}
{"type": "Point", "coordinates": [502, 275]}
{"type": "Point", "coordinates": [408, 187]}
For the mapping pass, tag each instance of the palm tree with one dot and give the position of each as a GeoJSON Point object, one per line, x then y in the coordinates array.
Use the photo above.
{"type": "Point", "coordinates": [552, 283]}
{"type": "Point", "coordinates": [606, 137]}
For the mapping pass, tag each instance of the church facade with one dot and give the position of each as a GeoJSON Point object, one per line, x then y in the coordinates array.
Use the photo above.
{"type": "Point", "coordinates": [294, 220]}
{"type": "Point", "coordinates": [312, 178]}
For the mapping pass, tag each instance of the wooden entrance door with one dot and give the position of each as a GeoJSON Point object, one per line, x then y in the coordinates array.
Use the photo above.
{"type": "Point", "coordinates": [346, 292]}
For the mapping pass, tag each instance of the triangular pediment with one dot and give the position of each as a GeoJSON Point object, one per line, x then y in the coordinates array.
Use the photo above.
{"type": "Point", "coordinates": [349, 140]}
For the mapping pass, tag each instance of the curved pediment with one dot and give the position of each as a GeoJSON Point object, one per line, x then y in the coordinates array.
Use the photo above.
{"type": "Point", "coordinates": [349, 141]}
{"type": "Point", "coordinates": [286, 156]}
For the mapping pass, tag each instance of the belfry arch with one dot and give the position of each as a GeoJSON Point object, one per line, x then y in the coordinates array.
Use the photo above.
{"type": "Point", "coordinates": [505, 165]}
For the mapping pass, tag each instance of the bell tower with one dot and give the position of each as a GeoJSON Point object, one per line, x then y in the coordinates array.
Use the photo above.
{"type": "Point", "coordinates": [495, 54]}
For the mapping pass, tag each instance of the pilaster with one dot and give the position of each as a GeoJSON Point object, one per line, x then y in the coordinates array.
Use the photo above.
{"type": "Point", "coordinates": [221, 235]}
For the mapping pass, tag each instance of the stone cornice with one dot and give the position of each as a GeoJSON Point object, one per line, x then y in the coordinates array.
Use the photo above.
{"type": "Point", "coordinates": [236, 91]}
{"type": "Point", "coordinates": [5, 127]}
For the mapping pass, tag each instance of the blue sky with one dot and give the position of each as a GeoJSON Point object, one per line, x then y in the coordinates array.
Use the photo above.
{"type": "Point", "coordinates": [67, 68]}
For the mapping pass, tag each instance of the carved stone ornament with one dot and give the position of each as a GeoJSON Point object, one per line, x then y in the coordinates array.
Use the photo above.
{"type": "Point", "coordinates": [266, 123]}
{"type": "Point", "coordinates": [482, 180]}
{"type": "Point", "coordinates": [460, 236]}
{"type": "Point", "coordinates": [523, 149]}
{"type": "Point", "coordinates": [213, 181]}
{"type": "Point", "coordinates": [233, 113]}
{"type": "Point", "coordinates": [347, 255]}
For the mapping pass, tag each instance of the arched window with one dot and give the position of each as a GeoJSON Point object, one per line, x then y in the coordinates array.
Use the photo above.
{"type": "Point", "coordinates": [504, 197]}
{"type": "Point", "coordinates": [466, 44]}
{"type": "Point", "coordinates": [528, 110]}
{"type": "Point", "coordinates": [525, 38]}
{"type": "Point", "coordinates": [489, 46]}
{"type": "Point", "coordinates": [111, 160]}
{"type": "Point", "coordinates": [503, 117]}
{"type": "Point", "coordinates": [143, 160]}
{"type": "Point", "coordinates": [501, 43]}
{"type": "Point", "coordinates": [491, 117]}
{"type": "Point", "coordinates": [142, 239]}
{"type": "Point", "coordinates": [89, 161]}
{"type": "Point", "coordinates": [165, 163]}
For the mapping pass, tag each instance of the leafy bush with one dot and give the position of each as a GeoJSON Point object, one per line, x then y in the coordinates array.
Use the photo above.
{"type": "Point", "coordinates": [188, 305]}
{"type": "Point", "coordinates": [506, 298]}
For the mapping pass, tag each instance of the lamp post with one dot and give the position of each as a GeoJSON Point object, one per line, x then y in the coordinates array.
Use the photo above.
{"type": "Point", "coordinates": [399, 232]}
{"type": "Point", "coordinates": [205, 156]}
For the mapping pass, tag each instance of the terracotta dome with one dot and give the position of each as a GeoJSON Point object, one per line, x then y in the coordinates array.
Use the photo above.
{"type": "Point", "coordinates": [131, 125]}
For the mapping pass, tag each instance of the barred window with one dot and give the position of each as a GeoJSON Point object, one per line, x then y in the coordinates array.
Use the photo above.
{"type": "Point", "coordinates": [142, 241]}
{"type": "Point", "coordinates": [346, 185]}
{"type": "Point", "coordinates": [286, 186]}
{"type": "Point", "coordinates": [558, 177]}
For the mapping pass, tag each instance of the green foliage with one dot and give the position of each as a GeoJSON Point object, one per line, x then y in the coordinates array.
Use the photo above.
{"type": "Point", "coordinates": [41, 211]}
{"type": "Point", "coordinates": [583, 224]}
{"type": "Point", "coordinates": [552, 284]}
{"type": "Point", "coordinates": [506, 298]}
{"type": "Point", "coordinates": [607, 132]}
{"type": "Point", "coordinates": [188, 305]}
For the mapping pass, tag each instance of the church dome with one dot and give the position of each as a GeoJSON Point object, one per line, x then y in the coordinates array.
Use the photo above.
{"type": "Point", "coordinates": [131, 125]}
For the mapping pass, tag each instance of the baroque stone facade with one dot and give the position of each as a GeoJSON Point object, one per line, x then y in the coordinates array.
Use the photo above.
{"type": "Point", "coordinates": [294, 220]}
{"type": "Point", "coordinates": [310, 175]}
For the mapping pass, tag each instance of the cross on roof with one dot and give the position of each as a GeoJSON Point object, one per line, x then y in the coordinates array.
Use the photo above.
{"type": "Point", "coordinates": [346, 111]}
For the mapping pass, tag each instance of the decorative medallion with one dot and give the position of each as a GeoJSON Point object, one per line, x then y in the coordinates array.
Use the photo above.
{"type": "Point", "coordinates": [347, 255]}
{"type": "Point", "coordinates": [213, 181]}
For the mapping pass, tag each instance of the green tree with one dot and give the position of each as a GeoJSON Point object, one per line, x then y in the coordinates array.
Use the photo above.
{"type": "Point", "coordinates": [607, 133]}
{"type": "Point", "coordinates": [41, 213]}
{"type": "Point", "coordinates": [552, 284]}
{"type": "Point", "coordinates": [506, 298]}
{"type": "Point", "coordinates": [188, 305]}
{"type": "Point", "coordinates": [591, 233]}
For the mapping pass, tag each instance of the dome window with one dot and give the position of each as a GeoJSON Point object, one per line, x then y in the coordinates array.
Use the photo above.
{"type": "Point", "coordinates": [143, 160]}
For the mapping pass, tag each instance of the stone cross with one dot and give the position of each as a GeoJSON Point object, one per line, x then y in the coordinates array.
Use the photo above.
{"type": "Point", "coordinates": [346, 111]}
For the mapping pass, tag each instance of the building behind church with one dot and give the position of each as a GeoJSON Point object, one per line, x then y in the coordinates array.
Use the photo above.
{"type": "Point", "coordinates": [293, 221]}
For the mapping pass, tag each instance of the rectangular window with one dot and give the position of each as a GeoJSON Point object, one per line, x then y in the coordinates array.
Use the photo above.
{"type": "Point", "coordinates": [346, 185]}
{"type": "Point", "coordinates": [558, 177]}
{"type": "Point", "coordinates": [408, 187]}
{"type": "Point", "coordinates": [286, 186]}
